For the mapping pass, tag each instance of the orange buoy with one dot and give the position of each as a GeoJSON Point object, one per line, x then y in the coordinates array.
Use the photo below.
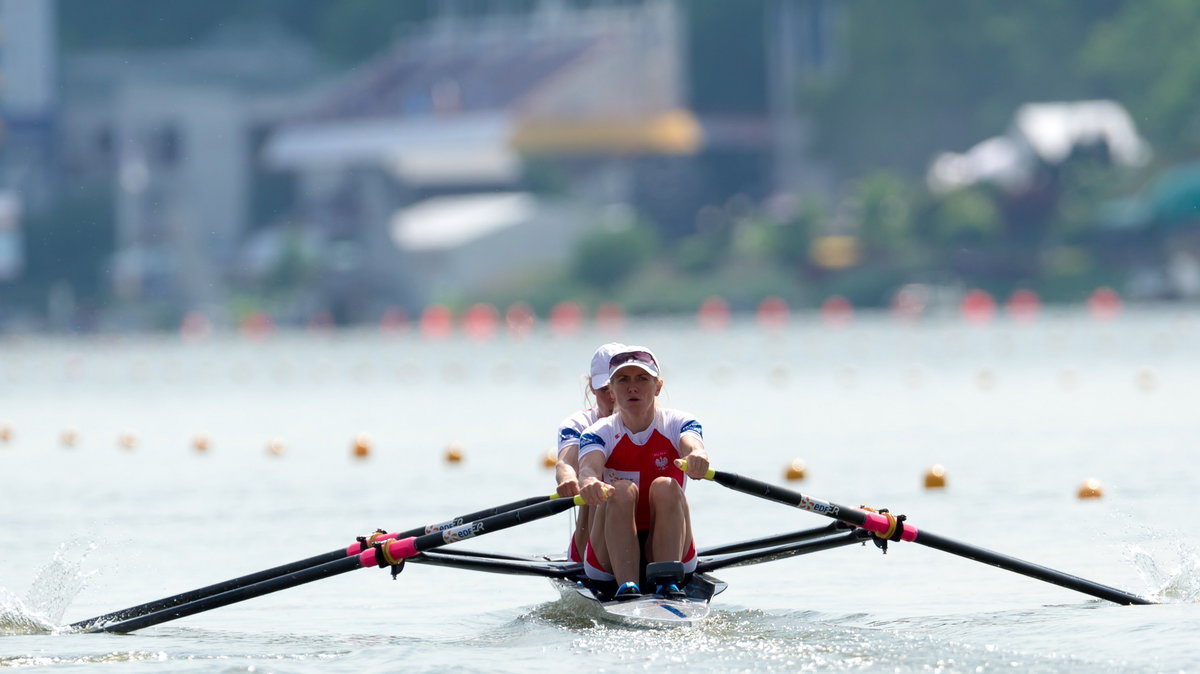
{"type": "Point", "coordinates": [566, 318]}
{"type": "Point", "coordinates": [796, 470]}
{"type": "Point", "coordinates": [361, 447]}
{"type": "Point", "coordinates": [610, 317]}
{"type": "Point", "coordinates": [394, 321]}
{"type": "Point", "coordinates": [201, 442]}
{"type": "Point", "coordinates": [908, 304]}
{"type": "Point", "coordinates": [935, 477]}
{"type": "Point", "coordinates": [772, 313]}
{"type": "Point", "coordinates": [127, 439]}
{"type": "Point", "coordinates": [437, 322]}
{"type": "Point", "coordinates": [978, 307]}
{"type": "Point", "coordinates": [257, 325]}
{"type": "Point", "coordinates": [454, 453]}
{"type": "Point", "coordinates": [713, 313]}
{"type": "Point", "coordinates": [1091, 488]}
{"type": "Point", "coordinates": [1023, 306]}
{"type": "Point", "coordinates": [550, 459]}
{"type": "Point", "coordinates": [1104, 304]}
{"type": "Point", "coordinates": [1146, 381]}
{"type": "Point", "coordinates": [520, 320]}
{"type": "Point", "coordinates": [837, 311]}
{"type": "Point", "coordinates": [985, 379]}
{"type": "Point", "coordinates": [195, 327]}
{"type": "Point", "coordinates": [479, 321]}
{"type": "Point", "coordinates": [5, 432]}
{"type": "Point", "coordinates": [276, 447]}
{"type": "Point", "coordinates": [69, 437]}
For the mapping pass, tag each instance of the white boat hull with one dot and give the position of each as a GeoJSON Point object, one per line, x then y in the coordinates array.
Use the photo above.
{"type": "Point", "coordinates": [651, 611]}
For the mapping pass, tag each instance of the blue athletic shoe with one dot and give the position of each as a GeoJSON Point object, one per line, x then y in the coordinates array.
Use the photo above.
{"type": "Point", "coordinates": [628, 591]}
{"type": "Point", "coordinates": [671, 591]}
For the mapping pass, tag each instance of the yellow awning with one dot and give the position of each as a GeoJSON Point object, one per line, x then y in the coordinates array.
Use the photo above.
{"type": "Point", "coordinates": [674, 132]}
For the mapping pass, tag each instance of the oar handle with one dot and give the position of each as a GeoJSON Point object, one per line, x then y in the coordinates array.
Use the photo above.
{"type": "Point", "coordinates": [394, 551]}
{"type": "Point", "coordinates": [883, 525]}
{"type": "Point", "coordinates": [367, 541]}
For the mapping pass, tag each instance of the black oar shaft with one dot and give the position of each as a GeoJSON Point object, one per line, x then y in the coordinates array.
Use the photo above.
{"type": "Point", "coordinates": [860, 517]}
{"type": "Point", "coordinates": [398, 549]}
{"type": "Point", "coordinates": [771, 541]}
{"type": "Point", "coordinates": [243, 593]}
{"type": "Point", "coordinates": [1030, 569]}
{"type": "Point", "coordinates": [285, 569]}
{"type": "Point", "coordinates": [211, 590]}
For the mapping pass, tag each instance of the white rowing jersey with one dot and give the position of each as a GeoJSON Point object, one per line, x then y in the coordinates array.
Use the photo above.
{"type": "Point", "coordinates": [640, 457]}
{"type": "Point", "coordinates": [571, 428]}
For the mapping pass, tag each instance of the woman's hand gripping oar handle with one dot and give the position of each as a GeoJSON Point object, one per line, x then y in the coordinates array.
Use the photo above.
{"type": "Point", "coordinates": [885, 526]}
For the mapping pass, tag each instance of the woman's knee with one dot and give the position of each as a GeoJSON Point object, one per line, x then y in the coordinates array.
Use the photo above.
{"type": "Point", "coordinates": [665, 487]}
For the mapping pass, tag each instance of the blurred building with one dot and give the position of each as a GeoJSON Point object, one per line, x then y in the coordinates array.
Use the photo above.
{"type": "Point", "coordinates": [562, 111]}
{"type": "Point", "coordinates": [479, 145]}
{"type": "Point", "coordinates": [179, 130]}
{"type": "Point", "coordinates": [28, 108]}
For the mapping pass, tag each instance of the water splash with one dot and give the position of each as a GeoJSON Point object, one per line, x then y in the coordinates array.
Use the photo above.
{"type": "Point", "coordinates": [17, 618]}
{"type": "Point", "coordinates": [55, 586]}
{"type": "Point", "coordinates": [1176, 580]}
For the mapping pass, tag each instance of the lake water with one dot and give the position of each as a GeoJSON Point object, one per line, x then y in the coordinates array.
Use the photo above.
{"type": "Point", "coordinates": [105, 502]}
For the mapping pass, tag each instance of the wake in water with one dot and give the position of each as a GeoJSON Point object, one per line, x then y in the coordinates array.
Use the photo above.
{"type": "Point", "coordinates": [56, 585]}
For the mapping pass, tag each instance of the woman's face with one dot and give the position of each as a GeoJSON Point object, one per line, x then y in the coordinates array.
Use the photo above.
{"type": "Point", "coordinates": [634, 389]}
{"type": "Point", "coordinates": [604, 399]}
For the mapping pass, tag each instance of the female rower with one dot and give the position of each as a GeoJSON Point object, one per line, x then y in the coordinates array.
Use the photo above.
{"type": "Point", "coordinates": [628, 469]}
{"type": "Point", "coordinates": [566, 471]}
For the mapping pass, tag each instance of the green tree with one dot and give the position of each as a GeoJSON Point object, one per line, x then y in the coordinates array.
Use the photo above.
{"type": "Point", "coordinates": [613, 253]}
{"type": "Point", "coordinates": [1145, 57]}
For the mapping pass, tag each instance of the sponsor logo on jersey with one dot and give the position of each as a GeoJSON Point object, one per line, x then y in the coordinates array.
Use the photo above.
{"type": "Point", "coordinates": [590, 439]}
{"type": "Point", "coordinates": [567, 434]}
{"type": "Point", "coordinates": [692, 426]}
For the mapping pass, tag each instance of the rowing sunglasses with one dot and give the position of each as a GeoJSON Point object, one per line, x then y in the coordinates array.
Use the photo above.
{"type": "Point", "coordinates": [632, 357]}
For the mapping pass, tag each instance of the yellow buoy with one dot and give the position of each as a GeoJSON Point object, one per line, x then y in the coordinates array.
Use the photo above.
{"type": "Point", "coordinates": [69, 437]}
{"type": "Point", "coordinates": [796, 470]}
{"type": "Point", "coordinates": [550, 459]}
{"type": "Point", "coordinates": [276, 447]}
{"type": "Point", "coordinates": [935, 477]}
{"type": "Point", "coordinates": [127, 439]}
{"type": "Point", "coordinates": [1146, 381]}
{"type": "Point", "coordinates": [1091, 488]}
{"type": "Point", "coordinates": [454, 453]}
{"type": "Point", "coordinates": [361, 446]}
{"type": "Point", "coordinates": [201, 442]}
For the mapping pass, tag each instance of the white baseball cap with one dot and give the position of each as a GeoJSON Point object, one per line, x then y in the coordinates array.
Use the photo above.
{"type": "Point", "coordinates": [600, 361]}
{"type": "Point", "coordinates": [637, 356]}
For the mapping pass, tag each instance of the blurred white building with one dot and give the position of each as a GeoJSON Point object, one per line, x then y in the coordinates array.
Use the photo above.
{"type": "Point", "coordinates": [180, 129]}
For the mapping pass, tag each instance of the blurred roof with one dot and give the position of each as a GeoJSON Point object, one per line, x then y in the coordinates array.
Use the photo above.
{"type": "Point", "coordinates": [443, 223]}
{"type": "Point", "coordinates": [601, 80]}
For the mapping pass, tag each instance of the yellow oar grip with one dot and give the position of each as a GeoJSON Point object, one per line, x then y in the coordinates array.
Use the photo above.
{"type": "Point", "coordinates": [576, 498]}
{"type": "Point", "coordinates": [682, 463]}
